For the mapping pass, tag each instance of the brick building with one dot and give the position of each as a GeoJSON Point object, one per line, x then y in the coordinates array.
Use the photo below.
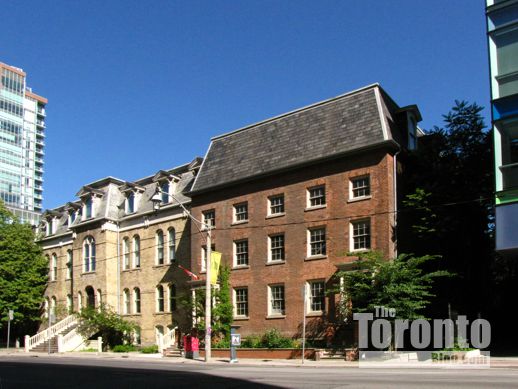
{"type": "Point", "coordinates": [110, 246]}
{"type": "Point", "coordinates": [291, 197]}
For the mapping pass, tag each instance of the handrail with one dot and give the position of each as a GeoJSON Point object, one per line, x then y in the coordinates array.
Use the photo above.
{"type": "Point", "coordinates": [169, 338]}
{"type": "Point", "coordinates": [33, 341]}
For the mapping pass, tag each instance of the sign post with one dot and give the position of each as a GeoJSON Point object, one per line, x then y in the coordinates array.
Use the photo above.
{"type": "Point", "coordinates": [11, 317]}
{"type": "Point", "coordinates": [304, 322]}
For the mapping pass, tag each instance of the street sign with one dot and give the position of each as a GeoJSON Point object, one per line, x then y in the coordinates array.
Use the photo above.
{"type": "Point", "coordinates": [235, 339]}
{"type": "Point", "coordinates": [11, 314]}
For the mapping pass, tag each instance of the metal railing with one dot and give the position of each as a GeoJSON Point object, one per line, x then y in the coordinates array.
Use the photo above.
{"type": "Point", "coordinates": [167, 340]}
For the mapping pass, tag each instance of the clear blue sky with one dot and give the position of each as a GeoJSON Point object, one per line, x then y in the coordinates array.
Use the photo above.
{"type": "Point", "coordinates": [138, 86]}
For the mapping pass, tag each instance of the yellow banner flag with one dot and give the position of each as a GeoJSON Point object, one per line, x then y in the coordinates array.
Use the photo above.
{"type": "Point", "coordinates": [215, 260]}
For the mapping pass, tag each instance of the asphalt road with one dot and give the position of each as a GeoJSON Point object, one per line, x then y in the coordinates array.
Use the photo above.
{"type": "Point", "coordinates": [43, 372]}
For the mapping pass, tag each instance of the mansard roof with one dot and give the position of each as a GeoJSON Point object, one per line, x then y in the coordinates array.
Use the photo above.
{"type": "Point", "coordinates": [354, 121]}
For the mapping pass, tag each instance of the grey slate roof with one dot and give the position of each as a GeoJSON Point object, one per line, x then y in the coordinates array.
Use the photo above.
{"type": "Point", "coordinates": [109, 193]}
{"type": "Point", "coordinates": [330, 128]}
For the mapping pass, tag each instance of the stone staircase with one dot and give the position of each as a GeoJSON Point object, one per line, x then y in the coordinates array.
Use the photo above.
{"type": "Point", "coordinates": [333, 354]}
{"type": "Point", "coordinates": [173, 352]}
{"type": "Point", "coordinates": [44, 347]}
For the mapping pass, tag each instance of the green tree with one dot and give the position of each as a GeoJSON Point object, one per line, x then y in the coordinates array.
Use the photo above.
{"type": "Point", "coordinates": [402, 283]}
{"type": "Point", "coordinates": [448, 209]}
{"type": "Point", "coordinates": [23, 275]}
{"type": "Point", "coordinates": [109, 325]}
{"type": "Point", "coordinates": [222, 311]}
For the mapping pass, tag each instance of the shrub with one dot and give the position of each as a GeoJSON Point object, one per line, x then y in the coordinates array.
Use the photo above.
{"type": "Point", "coordinates": [221, 343]}
{"type": "Point", "coordinates": [274, 339]}
{"type": "Point", "coordinates": [149, 350]}
{"type": "Point", "coordinates": [252, 341]}
{"type": "Point", "coordinates": [124, 348]}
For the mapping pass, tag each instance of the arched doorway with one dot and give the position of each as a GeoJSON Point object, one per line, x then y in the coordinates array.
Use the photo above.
{"type": "Point", "coordinates": [90, 297]}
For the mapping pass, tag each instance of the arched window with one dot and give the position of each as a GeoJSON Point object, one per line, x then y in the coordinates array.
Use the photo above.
{"type": "Point", "coordinates": [99, 298]}
{"type": "Point", "coordinates": [79, 301]}
{"type": "Point", "coordinates": [126, 302]}
{"type": "Point", "coordinates": [159, 247]}
{"type": "Point", "coordinates": [172, 244]}
{"type": "Point", "coordinates": [69, 303]}
{"type": "Point", "coordinates": [46, 306]}
{"type": "Point", "coordinates": [172, 297]}
{"type": "Point", "coordinates": [90, 297]}
{"type": "Point", "coordinates": [136, 251]}
{"type": "Point", "coordinates": [70, 258]}
{"type": "Point", "coordinates": [125, 254]}
{"type": "Point", "coordinates": [160, 298]}
{"type": "Point", "coordinates": [89, 254]}
{"type": "Point", "coordinates": [53, 304]}
{"type": "Point", "coordinates": [54, 267]}
{"type": "Point", "coordinates": [136, 300]}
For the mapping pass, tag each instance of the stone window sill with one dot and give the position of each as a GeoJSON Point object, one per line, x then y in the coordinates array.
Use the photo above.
{"type": "Point", "coordinates": [240, 267]}
{"type": "Point", "coordinates": [356, 199]}
{"type": "Point", "coordinates": [236, 318]}
{"type": "Point", "coordinates": [314, 314]}
{"type": "Point", "coordinates": [274, 215]}
{"type": "Point", "coordinates": [271, 263]}
{"type": "Point", "coordinates": [237, 223]}
{"type": "Point", "coordinates": [273, 317]}
{"type": "Point", "coordinates": [87, 272]}
{"type": "Point", "coordinates": [315, 257]}
{"type": "Point", "coordinates": [315, 208]}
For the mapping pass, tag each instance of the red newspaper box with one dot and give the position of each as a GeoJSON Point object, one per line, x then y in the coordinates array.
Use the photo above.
{"type": "Point", "coordinates": [191, 346]}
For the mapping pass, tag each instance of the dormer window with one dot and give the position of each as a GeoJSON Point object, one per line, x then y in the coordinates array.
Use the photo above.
{"type": "Point", "coordinates": [412, 133]}
{"type": "Point", "coordinates": [164, 188]}
{"type": "Point", "coordinates": [48, 228]}
{"type": "Point", "coordinates": [88, 206]}
{"type": "Point", "coordinates": [130, 202]}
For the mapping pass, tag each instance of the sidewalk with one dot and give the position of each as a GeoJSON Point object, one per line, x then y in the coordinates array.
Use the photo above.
{"type": "Point", "coordinates": [496, 362]}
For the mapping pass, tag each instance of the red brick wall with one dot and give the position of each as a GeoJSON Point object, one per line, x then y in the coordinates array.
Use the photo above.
{"type": "Point", "coordinates": [296, 270]}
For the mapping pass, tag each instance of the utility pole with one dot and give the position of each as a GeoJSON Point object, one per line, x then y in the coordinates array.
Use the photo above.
{"type": "Point", "coordinates": [208, 295]}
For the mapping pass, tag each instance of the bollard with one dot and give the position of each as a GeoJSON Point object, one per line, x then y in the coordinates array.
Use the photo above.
{"type": "Point", "coordinates": [17, 344]}
{"type": "Point", "coordinates": [99, 344]}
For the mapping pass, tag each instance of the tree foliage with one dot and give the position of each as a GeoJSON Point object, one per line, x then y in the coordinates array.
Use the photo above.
{"type": "Point", "coordinates": [109, 325]}
{"type": "Point", "coordinates": [23, 274]}
{"type": "Point", "coordinates": [403, 283]}
{"type": "Point", "coordinates": [222, 311]}
{"type": "Point", "coordinates": [448, 210]}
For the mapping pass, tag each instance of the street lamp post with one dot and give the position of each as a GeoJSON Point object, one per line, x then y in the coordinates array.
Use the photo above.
{"type": "Point", "coordinates": [156, 199]}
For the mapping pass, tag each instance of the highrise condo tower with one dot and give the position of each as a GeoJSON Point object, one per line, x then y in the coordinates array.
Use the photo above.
{"type": "Point", "coordinates": [22, 134]}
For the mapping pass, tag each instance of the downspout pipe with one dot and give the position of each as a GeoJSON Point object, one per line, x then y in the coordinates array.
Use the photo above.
{"type": "Point", "coordinates": [395, 202]}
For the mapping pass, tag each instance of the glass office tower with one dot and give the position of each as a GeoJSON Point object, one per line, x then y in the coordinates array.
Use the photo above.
{"type": "Point", "coordinates": [22, 134]}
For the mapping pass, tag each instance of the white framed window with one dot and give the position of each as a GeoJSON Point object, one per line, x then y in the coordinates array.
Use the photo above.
{"type": "Point", "coordinates": [88, 208]}
{"type": "Point", "coordinates": [136, 251]}
{"type": "Point", "coordinates": [159, 247]}
{"type": "Point", "coordinates": [317, 242]}
{"type": "Point", "coordinates": [126, 302]}
{"type": "Point", "coordinates": [71, 217]}
{"type": "Point", "coordinates": [160, 298]}
{"type": "Point", "coordinates": [204, 257]}
{"type": "Point", "coordinates": [70, 261]}
{"type": "Point", "coordinates": [136, 300]}
{"type": "Point", "coordinates": [171, 241]}
{"type": "Point", "coordinates": [125, 254]}
{"type": "Point", "coordinates": [276, 248]}
{"type": "Point", "coordinates": [360, 235]}
{"type": "Point", "coordinates": [241, 252]}
{"type": "Point", "coordinates": [130, 202]}
{"type": "Point", "coordinates": [360, 187]}
{"type": "Point", "coordinates": [209, 218]}
{"type": "Point", "coordinates": [241, 302]}
{"type": "Point", "coordinates": [53, 225]}
{"type": "Point", "coordinates": [412, 134]}
{"type": "Point", "coordinates": [47, 228]}
{"type": "Point", "coordinates": [165, 189]}
{"type": "Point", "coordinates": [316, 196]}
{"type": "Point", "coordinates": [89, 254]}
{"type": "Point", "coordinates": [276, 306]}
{"type": "Point", "coordinates": [316, 296]}
{"type": "Point", "coordinates": [54, 267]}
{"type": "Point", "coordinates": [240, 212]}
{"type": "Point", "coordinates": [276, 205]}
